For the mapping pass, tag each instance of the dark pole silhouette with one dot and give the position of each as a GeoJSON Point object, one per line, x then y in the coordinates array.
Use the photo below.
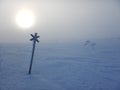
{"type": "Point", "coordinates": [34, 39]}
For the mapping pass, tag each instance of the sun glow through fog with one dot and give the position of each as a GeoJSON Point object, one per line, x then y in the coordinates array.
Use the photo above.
{"type": "Point", "coordinates": [25, 18]}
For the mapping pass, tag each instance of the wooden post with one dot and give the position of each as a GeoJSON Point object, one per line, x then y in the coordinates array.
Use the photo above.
{"type": "Point", "coordinates": [34, 39]}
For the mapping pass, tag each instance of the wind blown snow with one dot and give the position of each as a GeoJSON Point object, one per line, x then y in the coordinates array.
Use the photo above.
{"type": "Point", "coordinates": [61, 66]}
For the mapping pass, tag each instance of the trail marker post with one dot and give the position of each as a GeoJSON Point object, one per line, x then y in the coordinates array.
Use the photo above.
{"type": "Point", "coordinates": [34, 39]}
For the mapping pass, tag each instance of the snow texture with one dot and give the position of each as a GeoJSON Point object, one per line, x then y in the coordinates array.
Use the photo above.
{"type": "Point", "coordinates": [61, 66]}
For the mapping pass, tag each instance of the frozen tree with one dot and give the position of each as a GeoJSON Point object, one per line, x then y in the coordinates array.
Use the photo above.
{"type": "Point", "coordinates": [1, 60]}
{"type": "Point", "coordinates": [87, 43]}
{"type": "Point", "coordinates": [93, 45]}
{"type": "Point", "coordinates": [0, 63]}
{"type": "Point", "coordinates": [90, 44]}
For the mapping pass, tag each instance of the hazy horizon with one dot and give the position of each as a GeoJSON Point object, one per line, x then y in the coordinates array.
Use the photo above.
{"type": "Point", "coordinates": [61, 21]}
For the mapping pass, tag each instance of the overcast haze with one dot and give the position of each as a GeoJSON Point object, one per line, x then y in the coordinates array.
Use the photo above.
{"type": "Point", "coordinates": [61, 20]}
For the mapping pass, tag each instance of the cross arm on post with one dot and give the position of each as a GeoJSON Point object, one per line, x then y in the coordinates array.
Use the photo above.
{"type": "Point", "coordinates": [34, 37]}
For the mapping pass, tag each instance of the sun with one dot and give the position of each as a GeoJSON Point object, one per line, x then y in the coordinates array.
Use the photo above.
{"type": "Point", "coordinates": [25, 18]}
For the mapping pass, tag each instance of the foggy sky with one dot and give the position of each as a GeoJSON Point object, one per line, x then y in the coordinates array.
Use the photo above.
{"type": "Point", "coordinates": [61, 20]}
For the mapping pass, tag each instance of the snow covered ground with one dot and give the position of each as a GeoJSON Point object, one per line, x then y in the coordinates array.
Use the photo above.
{"type": "Point", "coordinates": [61, 66]}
